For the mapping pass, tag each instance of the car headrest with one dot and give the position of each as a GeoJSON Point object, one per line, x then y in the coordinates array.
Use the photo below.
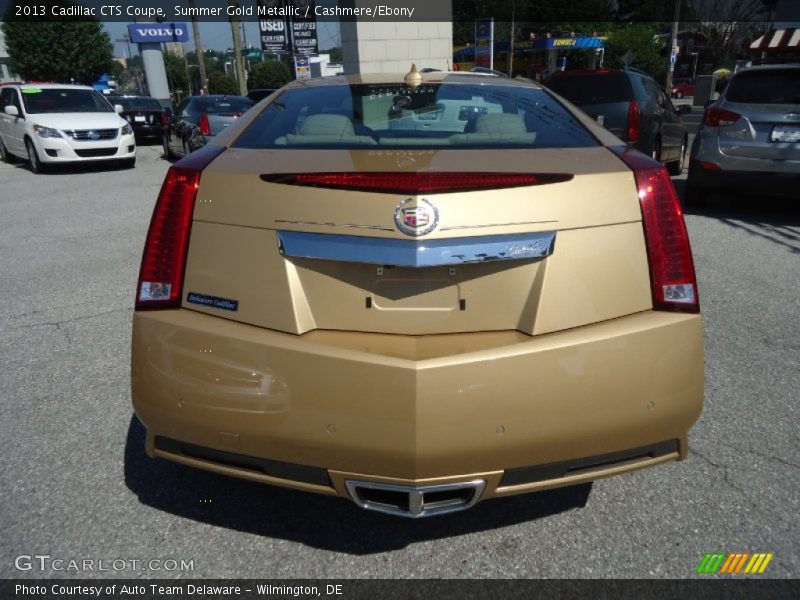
{"type": "Point", "coordinates": [328, 125]}
{"type": "Point", "coordinates": [500, 123]}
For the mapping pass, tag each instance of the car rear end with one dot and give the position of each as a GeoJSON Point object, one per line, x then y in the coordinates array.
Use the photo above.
{"type": "Point", "coordinates": [216, 114]}
{"type": "Point", "coordinates": [751, 135]}
{"type": "Point", "coordinates": [412, 317]}
{"type": "Point", "coordinates": [145, 115]}
{"type": "Point", "coordinates": [610, 98]}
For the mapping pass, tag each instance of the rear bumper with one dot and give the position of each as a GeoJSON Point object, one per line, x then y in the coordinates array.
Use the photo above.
{"type": "Point", "coordinates": [768, 183]}
{"type": "Point", "coordinates": [516, 412]}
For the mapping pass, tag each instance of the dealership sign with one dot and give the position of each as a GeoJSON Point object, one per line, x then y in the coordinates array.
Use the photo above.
{"type": "Point", "coordinates": [142, 33]}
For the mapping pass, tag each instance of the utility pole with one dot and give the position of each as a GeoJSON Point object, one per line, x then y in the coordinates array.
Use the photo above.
{"type": "Point", "coordinates": [673, 44]}
{"type": "Point", "coordinates": [511, 41]}
{"type": "Point", "coordinates": [237, 50]}
{"type": "Point", "coordinates": [198, 50]}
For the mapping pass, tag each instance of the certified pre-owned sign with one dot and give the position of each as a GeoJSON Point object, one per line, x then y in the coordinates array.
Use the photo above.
{"type": "Point", "coordinates": [158, 32]}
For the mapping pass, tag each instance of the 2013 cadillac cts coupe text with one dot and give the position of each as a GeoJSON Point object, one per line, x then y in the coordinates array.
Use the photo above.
{"type": "Point", "coordinates": [417, 292]}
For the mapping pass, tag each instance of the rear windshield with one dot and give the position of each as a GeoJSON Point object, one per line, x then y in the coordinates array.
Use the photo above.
{"type": "Point", "coordinates": [592, 88]}
{"type": "Point", "coordinates": [429, 115]}
{"type": "Point", "coordinates": [765, 87]}
{"type": "Point", "coordinates": [137, 103]}
{"type": "Point", "coordinates": [227, 105]}
{"type": "Point", "coordinates": [63, 100]}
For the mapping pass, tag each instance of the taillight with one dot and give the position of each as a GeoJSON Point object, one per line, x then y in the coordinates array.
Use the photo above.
{"type": "Point", "coordinates": [164, 257]}
{"type": "Point", "coordinates": [416, 183]}
{"type": "Point", "coordinates": [205, 126]}
{"type": "Point", "coordinates": [719, 117]}
{"type": "Point", "coordinates": [669, 254]}
{"type": "Point", "coordinates": [633, 120]}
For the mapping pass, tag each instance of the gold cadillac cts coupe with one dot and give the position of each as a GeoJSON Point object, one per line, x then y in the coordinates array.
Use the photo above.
{"type": "Point", "coordinates": [417, 292]}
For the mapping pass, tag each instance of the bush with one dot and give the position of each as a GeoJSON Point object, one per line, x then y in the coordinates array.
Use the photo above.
{"type": "Point", "coordinates": [223, 84]}
{"type": "Point", "coordinates": [271, 74]}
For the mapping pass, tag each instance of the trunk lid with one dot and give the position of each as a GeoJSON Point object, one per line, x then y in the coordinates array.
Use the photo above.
{"type": "Point", "coordinates": [597, 270]}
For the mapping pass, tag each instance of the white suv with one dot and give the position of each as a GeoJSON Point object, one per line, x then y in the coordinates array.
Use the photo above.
{"type": "Point", "coordinates": [56, 123]}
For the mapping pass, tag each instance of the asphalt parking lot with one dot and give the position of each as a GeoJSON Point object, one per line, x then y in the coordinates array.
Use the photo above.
{"type": "Point", "coordinates": [75, 482]}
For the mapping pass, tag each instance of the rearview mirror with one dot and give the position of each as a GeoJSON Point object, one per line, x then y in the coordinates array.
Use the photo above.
{"type": "Point", "coordinates": [11, 110]}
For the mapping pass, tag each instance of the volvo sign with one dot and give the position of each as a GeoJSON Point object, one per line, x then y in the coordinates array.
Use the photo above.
{"type": "Point", "coordinates": [143, 33]}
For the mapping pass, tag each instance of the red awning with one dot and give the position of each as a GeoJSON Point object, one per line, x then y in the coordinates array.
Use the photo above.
{"type": "Point", "coordinates": [778, 40]}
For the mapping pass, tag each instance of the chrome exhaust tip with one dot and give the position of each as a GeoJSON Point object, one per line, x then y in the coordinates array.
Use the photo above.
{"type": "Point", "coordinates": [415, 502]}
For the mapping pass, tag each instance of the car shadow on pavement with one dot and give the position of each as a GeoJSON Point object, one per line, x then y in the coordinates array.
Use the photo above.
{"type": "Point", "coordinates": [323, 522]}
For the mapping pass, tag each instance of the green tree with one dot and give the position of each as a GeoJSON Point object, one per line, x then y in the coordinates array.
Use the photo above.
{"type": "Point", "coordinates": [271, 74]}
{"type": "Point", "coordinates": [335, 54]}
{"type": "Point", "coordinates": [177, 77]}
{"type": "Point", "coordinates": [222, 84]}
{"type": "Point", "coordinates": [640, 41]}
{"type": "Point", "coordinates": [64, 50]}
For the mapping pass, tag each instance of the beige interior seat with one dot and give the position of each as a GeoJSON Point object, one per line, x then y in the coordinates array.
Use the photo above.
{"type": "Point", "coordinates": [503, 128]}
{"type": "Point", "coordinates": [326, 129]}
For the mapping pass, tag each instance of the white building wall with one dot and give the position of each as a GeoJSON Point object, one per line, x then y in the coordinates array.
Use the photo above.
{"type": "Point", "coordinates": [376, 47]}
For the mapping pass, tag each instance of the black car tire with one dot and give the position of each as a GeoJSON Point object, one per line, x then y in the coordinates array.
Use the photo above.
{"type": "Point", "coordinates": [676, 167]}
{"type": "Point", "coordinates": [5, 154]}
{"type": "Point", "coordinates": [34, 163]}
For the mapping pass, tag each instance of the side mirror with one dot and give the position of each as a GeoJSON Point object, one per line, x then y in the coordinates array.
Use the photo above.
{"type": "Point", "coordinates": [119, 108]}
{"type": "Point", "coordinates": [11, 110]}
{"type": "Point", "coordinates": [683, 109]}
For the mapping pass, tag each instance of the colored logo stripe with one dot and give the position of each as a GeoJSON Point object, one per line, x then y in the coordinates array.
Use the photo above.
{"type": "Point", "coordinates": [733, 563]}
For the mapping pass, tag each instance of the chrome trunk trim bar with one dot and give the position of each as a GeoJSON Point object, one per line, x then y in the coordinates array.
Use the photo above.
{"type": "Point", "coordinates": [416, 253]}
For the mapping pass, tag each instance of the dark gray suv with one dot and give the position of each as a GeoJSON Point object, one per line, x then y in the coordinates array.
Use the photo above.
{"type": "Point", "coordinates": [631, 105]}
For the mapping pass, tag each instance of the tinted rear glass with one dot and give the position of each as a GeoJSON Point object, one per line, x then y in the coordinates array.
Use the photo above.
{"type": "Point", "coordinates": [430, 115]}
{"type": "Point", "coordinates": [592, 88]}
{"type": "Point", "coordinates": [137, 103]}
{"type": "Point", "coordinates": [226, 105]}
{"type": "Point", "coordinates": [765, 87]}
{"type": "Point", "coordinates": [63, 100]}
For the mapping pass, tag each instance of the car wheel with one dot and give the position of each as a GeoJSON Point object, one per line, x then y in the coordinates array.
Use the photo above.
{"type": "Point", "coordinates": [5, 154]}
{"type": "Point", "coordinates": [676, 167]}
{"type": "Point", "coordinates": [33, 158]}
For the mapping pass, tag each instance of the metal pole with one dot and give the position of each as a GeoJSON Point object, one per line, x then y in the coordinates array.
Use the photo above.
{"type": "Point", "coordinates": [673, 56]}
{"type": "Point", "coordinates": [237, 50]}
{"type": "Point", "coordinates": [198, 50]}
{"type": "Point", "coordinates": [511, 42]}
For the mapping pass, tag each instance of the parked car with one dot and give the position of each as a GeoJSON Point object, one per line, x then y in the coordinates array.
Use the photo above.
{"type": "Point", "coordinates": [146, 115]}
{"type": "Point", "coordinates": [258, 95]}
{"type": "Point", "coordinates": [749, 139]}
{"type": "Point", "coordinates": [631, 105]}
{"type": "Point", "coordinates": [417, 292]}
{"type": "Point", "coordinates": [682, 87]}
{"type": "Point", "coordinates": [198, 119]}
{"type": "Point", "coordinates": [54, 124]}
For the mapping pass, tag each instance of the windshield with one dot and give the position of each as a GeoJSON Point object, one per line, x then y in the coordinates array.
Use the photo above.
{"type": "Point", "coordinates": [137, 103]}
{"type": "Point", "coordinates": [63, 100]}
{"type": "Point", "coordinates": [765, 87]}
{"type": "Point", "coordinates": [225, 105]}
{"type": "Point", "coordinates": [429, 115]}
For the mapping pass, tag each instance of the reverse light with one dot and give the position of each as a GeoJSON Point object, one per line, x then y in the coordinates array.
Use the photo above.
{"type": "Point", "coordinates": [46, 132]}
{"type": "Point", "coordinates": [719, 117]}
{"type": "Point", "coordinates": [672, 275]}
{"type": "Point", "coordinates": [634, 111]}
{"type": "Point", "coordinates": [205, 126]}
{"type": "Point", "coordinates": [416, 183]}
{"type": "Point", "coordinates": [164, 257]}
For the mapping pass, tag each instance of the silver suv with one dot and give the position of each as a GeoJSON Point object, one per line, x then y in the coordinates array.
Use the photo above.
{"type": "Point", "coordinates": [749, 139]}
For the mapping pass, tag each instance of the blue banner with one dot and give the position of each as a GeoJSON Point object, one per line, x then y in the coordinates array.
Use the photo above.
{"type": "Point", "coordinates": [142, 33]}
